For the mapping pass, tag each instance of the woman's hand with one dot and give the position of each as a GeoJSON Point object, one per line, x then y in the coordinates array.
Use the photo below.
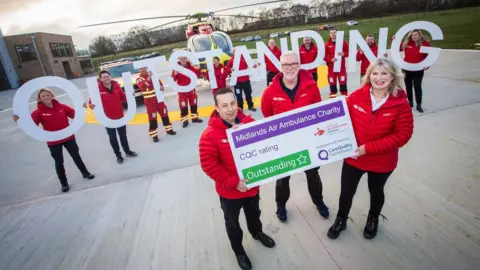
{"type": "Point", "coordinates": [360, 151]}
{"type": "Point", "coordinates": [15, 117]}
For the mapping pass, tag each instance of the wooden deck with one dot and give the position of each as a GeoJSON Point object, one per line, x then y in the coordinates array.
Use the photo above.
{"type": "Point", "coordinates": [173, 220]}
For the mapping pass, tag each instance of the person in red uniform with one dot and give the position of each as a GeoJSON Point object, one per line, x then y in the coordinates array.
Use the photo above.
{"type": "Point", "coordinates": [291, 89]}
{"type": "Point", "coordinates": [308, 54]}
{"type": "Point", "coordinates": [53, 116]}
{"type": "Point", "coordinates": [221, 74]}
{"type": "Point", "coordinates": [382, 122]}
{"type": "Point", "coordinates": [271, 68]}
{"type": "Point", "coordinates": [362, 58]}
{"type": "Point", "coordinates": [184, 99]}
{"type": "Point", "coordinates": [217, 162]}
{"type": "Point", "coordinates": [413, 79]}
{"type": "Point", "coordinates": [330, 59]}
{"type": "Point", "coordinates": [113, 97]}
{"type": "Point", "coordinates": [243, 83]}
{"type": "Point", "coordinates": [145, 84]}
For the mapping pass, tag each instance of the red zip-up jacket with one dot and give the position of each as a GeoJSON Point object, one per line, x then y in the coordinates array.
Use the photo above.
{"type": "Point", "coordinates": [365, 63]}
{"type": "Point", "coordinates": [183, 80]}
{"type": "Point", "coordinates": [269, 65]}
{"type": "Point", "coordinates": [412, 52]}
{"type": "Point", "coordinates": [112, 101]}
{"type": "Point", "coordinates": [275, 100]}
{"type": "Point", "coordinates": [53, 119]}
{"type": "Point", "coordinates": [243, 65]}
{"type": "Point", "coordinates": [221, 75]}
{"type": "Point", "coordinates": [382, 132]}
{"type": "Point", "coordinates": [308, 56]}
{"type": "Point", "coordinates": [330, 54]}
{"type": "Point", "coordinates": [216, 157]}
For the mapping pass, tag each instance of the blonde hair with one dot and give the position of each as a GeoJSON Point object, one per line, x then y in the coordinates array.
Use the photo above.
{"type": "Point", "coordinates": [44, 90]}
{"type": "Point", "coordinates": [408, 38]}
{"type": "Point", "coordinates": [391, 68]}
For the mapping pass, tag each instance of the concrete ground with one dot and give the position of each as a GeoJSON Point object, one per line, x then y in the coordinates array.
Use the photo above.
{"type": "Point", "coordinates": [159, 210]}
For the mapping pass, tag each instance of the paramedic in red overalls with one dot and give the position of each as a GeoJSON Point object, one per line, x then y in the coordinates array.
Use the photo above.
{"type": "Point", "coordinates": [330, 59]}
{"type": "Point", "coordinates": [189, 97]}
{"type": "Point", "coordinates": [221, 75]}
{"type": "Point", "coordinates": [145, 84]}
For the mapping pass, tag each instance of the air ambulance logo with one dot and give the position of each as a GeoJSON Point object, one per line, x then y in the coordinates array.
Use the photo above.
{"type": "Point", "coordinates": [319, 132]}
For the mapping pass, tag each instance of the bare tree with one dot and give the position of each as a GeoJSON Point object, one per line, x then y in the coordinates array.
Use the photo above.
{"type": "Point", "coordinates": [102, 45]}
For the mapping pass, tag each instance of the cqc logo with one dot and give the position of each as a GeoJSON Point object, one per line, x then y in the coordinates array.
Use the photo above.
{"type": "Point", "coordinates": [323, 154]}
{"type": "Point", "coordinates": [319, 132]}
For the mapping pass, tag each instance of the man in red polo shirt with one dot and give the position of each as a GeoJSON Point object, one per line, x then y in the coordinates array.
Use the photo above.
{"type": "Point", "coordinates": [308, 54]}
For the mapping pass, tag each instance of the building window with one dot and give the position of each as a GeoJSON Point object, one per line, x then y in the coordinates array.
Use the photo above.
{"type": "Point", "coordinates": [26, 52]}
{"type": "Point", "coordinates": [61, 49]}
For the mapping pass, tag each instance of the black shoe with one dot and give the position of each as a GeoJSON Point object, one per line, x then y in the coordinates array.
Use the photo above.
{"type": "Point", "coordinates": [155, 139]}
{"type": "Point", "coordinates": [264, 239]}
{"type": "Point", "coordinates": [282, 214]}
{"type": "Point", "coordinates": [131, 154]}
{"type": "Point", "coordinates": [197, 120]}
{"type": "Point", "coordinates": [120, 160]}
{"type": "Point", "coordinates": [171, 132]}
{"type": "Point", "coordinates": [88, 176]}
{"type": "Point", "coordinates": [65, 188]}
{"type": "Point", "coordinates": [337, 227]}
{"type": "Point", "coordinates": [371, 226]}
{"type": "Point", "coordinates": [411, 104]}
{"type": "Point", "coordinates": [244, 262]}
{"type": "Point", "coordinates": [185, 124]}
{"type": "Point", "coordinates": [419, 108]}
{"type": "Point", "coordinates": [252, 109]}
{"type": "Point", "coordinates": [323, 209]}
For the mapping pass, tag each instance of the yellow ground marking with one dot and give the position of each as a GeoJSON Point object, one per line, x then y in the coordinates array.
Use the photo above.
{"type": "Point", "coordinates": [142, 118]}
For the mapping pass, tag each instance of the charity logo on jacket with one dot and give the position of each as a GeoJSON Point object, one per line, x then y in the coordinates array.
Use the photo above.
{"type": "Point", "coordinates": [382, 131]}
{"type": "Point", "coordinates": [216, 158]}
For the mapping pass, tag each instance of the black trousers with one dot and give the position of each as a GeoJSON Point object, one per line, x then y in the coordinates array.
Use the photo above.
{"type": "Point", "coordinates": [57, 153]}
{"type": "Point", "coordinates": [247, 88]}
{"type": "Point", "coordinates": [231, 210]}
{"type": "Point", "coordinates": [349, 181]}
{"type": "Point", "coordinates": [122, 133]}
{"type": "Point", "coordinates": [413, 79]}
{"type": "Point", "coordinates": [315, 76]}
{"type": "Point", "coordinates": [270, 76]}
{"type": "Point", "coordinates": [282, 188]}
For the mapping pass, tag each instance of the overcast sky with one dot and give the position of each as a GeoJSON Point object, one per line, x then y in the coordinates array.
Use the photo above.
{"type": "Point", "coordinates": [64, 16]}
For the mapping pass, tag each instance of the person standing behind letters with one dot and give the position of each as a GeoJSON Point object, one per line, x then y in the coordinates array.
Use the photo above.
{"type": "Point", "coordinates": [217, 162]}
{"type": "Point", "coordinates": [53, 116]}
{"type": "Point", "coordinates": [382, 122]}
{"type": "Point", "coordinates": [291, 89]}
{"type": "Point", "coordinates": [112, 97]}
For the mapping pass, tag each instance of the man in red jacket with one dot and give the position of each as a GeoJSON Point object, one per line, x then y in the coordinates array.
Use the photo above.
{"type": "Point", "coordinates": [243, 83]}
{"type": "Point", "coordinates": [113, 97]}
{"type": "Point", "coordinates": [189, 97]}
{"type": "Point", "coordinates": [145, 84]}
{"type": "Point", "coordinates": [271, 68]}
{"type": "Point", "coordinates": [330, 59]}
{"type": "Point", "coordinates": [362, 58]}
{"type": "Point", "coordinates": [291, 89]}
{"type": "Point", "coordinates": [308, 54]}
{"type": "Point", "coordinates": [217, 162]}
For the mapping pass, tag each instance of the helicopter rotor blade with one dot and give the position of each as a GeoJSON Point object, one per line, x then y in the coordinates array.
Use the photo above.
{"type": "Point", "coordinates": [249, 5]}
{"type": "Point", "coordinates": [150, 29]}
{"type": "Point", "coordinates": [238, 16]}
{"type": "Point", "coordinates": [133, 20]}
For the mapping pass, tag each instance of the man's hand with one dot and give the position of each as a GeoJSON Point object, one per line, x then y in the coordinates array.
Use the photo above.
{"type": "Point", "coordinates": [15, 117]}
{"type": "Point", "coordinates": [175, 72]}
{"type": "Point", "coordinates": [385, 55]}
{"type": "Point", "coordinates": [242, 187]}
{"type": "Point", "coordinates": [236, 126]}
{"type": "Point", "coordinates": [341, 54]}
{"type": "Point", "coordinates": [361, 52]}
{"type": "Point", "coordinates": [334, 60]}
{"type": "Point", "coordinates": [426, 68]}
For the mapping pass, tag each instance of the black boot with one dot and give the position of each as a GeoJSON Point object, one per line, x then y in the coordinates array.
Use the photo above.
{"type": "Point", "coordinates": [264, 239]}
{"type": "Point", "coordinates": [155, 139]}
{"type": "Point", "coordinates": [119, 159]}
{"type": "Point", "coordinates": [88, 175]}
{"type": "Point", "coordinates": [411, 103]}
{"type": "Point", "coordinates": [244, 262]}
{"type": "Point", "coordinates": [371, 226]}
{"type": "Point", "coordinates": [185, 124]}
{"type": "Point", "coordinates": [419, 108]}
{"type": "Point", "coordinates": [337, 227]}
{"type": "Point", "coordinates": [282, 213]}
{"type": "Point", "coordinates": [197, 120]}
{"type": "Point", "coordinates": [131, 154]}
{"type": "Point", "coordinates": [65, 188]}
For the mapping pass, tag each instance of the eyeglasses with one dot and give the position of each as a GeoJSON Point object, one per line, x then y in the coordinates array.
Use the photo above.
{"type": "Point", "coordinates": [290, 65]}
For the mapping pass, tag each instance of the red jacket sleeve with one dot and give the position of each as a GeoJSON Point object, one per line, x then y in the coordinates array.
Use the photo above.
{"type": "Point", "coordinates": [266, 104]}
{"type": "Point", "coordinates": [229, 66]}
{"type": "Point", "coordinates": [69, 110]}
{"type": "Point", "coordinates": [327, 58]}
{"type": "Point", "coordinates": [316, 93]}
{"type": "Point", "coordinates": [359, 56]}
{"type": "Point", "coordinates": [141, 85]}
{"type": "Point", "coordinates": [123, 97]}
{"type": "Point", "coordinates": [36, 117]}
{"type": "Point", "coordinates": [209, 161]}
{"type": "Point", "coordinates": [401, 135]}
{"type": "Point", "coordinates": [346, 52]}
{"type": "Point", "coordinates": [174, 76]}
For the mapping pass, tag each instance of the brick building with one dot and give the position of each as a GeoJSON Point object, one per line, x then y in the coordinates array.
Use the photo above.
{"type": "Point", "coordinates": [42, 54]}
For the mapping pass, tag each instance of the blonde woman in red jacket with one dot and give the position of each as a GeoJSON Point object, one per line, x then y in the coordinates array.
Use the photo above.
{"type": "Point", "coordinates": [413, 79]}
{"type": "Point", "coordinates": [383, 122]}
